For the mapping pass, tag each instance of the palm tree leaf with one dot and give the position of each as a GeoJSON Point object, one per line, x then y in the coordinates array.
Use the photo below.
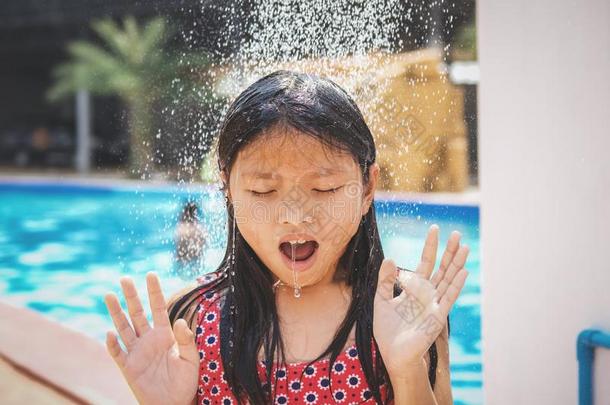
{"type": "Point", "coordinates": [95, 69]}
{"type": "Point", "coordinates": [100, 59]}
{"type": "Point", "coordinates": [112, 35]}
{"type": "Point", "coordinates": [71, 77]}
{"type": "Point", "coordinates": [155, 35]}
{"type": "Point", "coordinates": [133, 36]}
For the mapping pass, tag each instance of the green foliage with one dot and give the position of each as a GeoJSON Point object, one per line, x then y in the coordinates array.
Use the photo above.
{"type": "Point", "coordinates": [131, 59]}
{"type": "Point", "coordinates": [133, 63]}
{"type": "Point", "coordinates": [465, 45]}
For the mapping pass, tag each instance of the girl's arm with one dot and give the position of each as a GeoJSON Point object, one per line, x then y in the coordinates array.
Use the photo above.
{"type": "Point", "coordinates": [417, 390]}
{"type": "Point", "coordinates": [442, 385]}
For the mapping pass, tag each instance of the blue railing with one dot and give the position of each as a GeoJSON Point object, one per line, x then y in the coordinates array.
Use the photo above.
{"type": "Point", "coordinates": [586, 343]}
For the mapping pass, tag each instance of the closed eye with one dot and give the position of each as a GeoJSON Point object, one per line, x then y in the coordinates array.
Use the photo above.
{"type": "Point", "coordinates": [332, 190]}
{"type": "Point", "coordinates": [257, 194]}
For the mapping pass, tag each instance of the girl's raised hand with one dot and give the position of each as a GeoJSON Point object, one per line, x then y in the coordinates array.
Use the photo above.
{"type": "Point", "coordinates": [406, 326]}
{"type": "Point", "coordinates": [160, 364]}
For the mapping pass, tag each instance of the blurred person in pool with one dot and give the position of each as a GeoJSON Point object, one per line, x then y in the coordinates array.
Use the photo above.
{"type": "Point", "coordinates": [190, 236]}
{"type": "Point", "coordinates": [304, 307]}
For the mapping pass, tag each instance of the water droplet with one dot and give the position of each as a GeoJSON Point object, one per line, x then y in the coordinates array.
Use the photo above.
{"type": "Point", "coordinates": [297, 287]}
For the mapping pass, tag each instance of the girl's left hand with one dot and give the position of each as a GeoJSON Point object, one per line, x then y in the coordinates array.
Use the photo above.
{"type": "Point", "coordinates": [406, 326]}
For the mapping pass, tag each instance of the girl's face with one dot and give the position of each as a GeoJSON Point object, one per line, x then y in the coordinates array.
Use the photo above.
{"type": "Point", "coordinates": [289, 186]}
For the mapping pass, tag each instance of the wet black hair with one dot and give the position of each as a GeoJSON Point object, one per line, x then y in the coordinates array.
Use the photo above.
{"type": "Point", "coordinates": [317, 107]}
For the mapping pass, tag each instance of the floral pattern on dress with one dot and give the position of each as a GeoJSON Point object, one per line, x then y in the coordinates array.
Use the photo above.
{"type": "Point", "coordinates": [296, 383]}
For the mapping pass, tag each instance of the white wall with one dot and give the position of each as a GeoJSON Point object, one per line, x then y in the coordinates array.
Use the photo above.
{"type": "Point", "coordinates": [544, 100]}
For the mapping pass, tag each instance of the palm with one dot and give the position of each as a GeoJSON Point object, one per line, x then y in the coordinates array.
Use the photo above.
{"type": "Point", "coordinates": [136, 64]}
{"type": "Point", "coordinates": [160, 364]}
{"type": "Point", "coordinates": [406, 326]}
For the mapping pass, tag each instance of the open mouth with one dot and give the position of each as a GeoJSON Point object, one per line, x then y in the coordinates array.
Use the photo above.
{"type": "Point", "coordinates": [299, 251]}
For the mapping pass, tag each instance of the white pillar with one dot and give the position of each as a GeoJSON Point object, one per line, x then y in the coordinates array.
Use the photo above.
{"type": "Point", "coordinates": [544, 111]}
{"type": "Point", "coordinates": [83, 131]}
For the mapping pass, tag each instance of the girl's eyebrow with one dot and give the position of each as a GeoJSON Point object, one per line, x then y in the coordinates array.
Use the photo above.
{"type": "Point", "coordinates": [326, 172]}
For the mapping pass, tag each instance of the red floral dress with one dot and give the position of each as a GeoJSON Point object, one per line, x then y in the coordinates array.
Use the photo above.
{"type": "Point", "coordinates": [348, 385]}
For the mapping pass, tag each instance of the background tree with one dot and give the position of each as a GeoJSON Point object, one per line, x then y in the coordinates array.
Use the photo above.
{"type": "Point", "coordinates": [133, 64]}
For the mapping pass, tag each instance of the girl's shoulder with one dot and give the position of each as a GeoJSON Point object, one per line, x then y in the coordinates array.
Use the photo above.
{"type": "Point", "coordinates": [209, 292]}
{"type": "Point", "coordinates": [210, 278]}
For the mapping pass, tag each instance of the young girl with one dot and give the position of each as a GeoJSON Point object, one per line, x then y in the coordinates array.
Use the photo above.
{"type": "Point", "coordinates": [303, 308]}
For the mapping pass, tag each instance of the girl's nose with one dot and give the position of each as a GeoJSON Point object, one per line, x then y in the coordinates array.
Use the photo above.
{"type": "Point", "coordinates": [290, 213]}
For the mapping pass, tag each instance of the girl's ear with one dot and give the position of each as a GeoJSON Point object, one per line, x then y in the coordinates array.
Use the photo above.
{"type": "Point", "coordinates": [225, 183]}
{"type": "Point", "coordinates": [223, 177]}
{"type": "Point", "coordinates": [369, 193]}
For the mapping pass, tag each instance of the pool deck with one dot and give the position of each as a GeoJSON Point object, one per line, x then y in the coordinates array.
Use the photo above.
{"type": "Point", "coordinates": [18, 386]}
{"type": "Point", "coordinates": [46, 363]}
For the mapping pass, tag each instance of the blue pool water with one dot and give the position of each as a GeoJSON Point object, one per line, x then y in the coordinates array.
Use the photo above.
{"type": "Point", "coordinates": [63, 246]}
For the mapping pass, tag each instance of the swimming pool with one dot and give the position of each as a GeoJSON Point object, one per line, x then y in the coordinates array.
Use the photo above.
{"type": "Point", "coordinates": [63, 246]}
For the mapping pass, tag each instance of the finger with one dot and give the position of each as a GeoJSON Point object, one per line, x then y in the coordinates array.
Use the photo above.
{"type": "Point", "coordinates": [134, 306]}
{"type": "Point", "coordinates": [409, 282]}
{"type": "Point", "coordinates": [126, 332]}
{"type": "Point", "coordinates": [114, 349]}
{"type": "Point", "coordinates": [453, 291]}
{"type": "Point", "coordinates": [428, 257]}
{"type": "Point", "coordinates": [186, 342]}
{"type": "Point", "coordinates": [414, 289]}
{"type": "Point", "coordinates": [157, 302]}
{"type": "Point", "coordinates": [452, 246]}
{"type": "Point", "coordinates": [458, 262]}
{"type": "Point", "coordinates": [386, 279]}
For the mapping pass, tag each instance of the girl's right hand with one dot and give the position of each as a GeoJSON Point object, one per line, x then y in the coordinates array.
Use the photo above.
{"type": "Point", "coordinates": [160, 365]}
